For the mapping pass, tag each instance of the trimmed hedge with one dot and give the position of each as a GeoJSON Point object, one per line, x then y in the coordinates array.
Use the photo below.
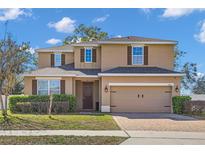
{"type": "Point", "coordinates": [39, 104]}
{"type": "Point", "coordinates": [179, 103]}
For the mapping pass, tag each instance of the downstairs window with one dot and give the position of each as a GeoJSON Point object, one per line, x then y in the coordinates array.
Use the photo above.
{"type": "Point", "coordinates": [48, 87]}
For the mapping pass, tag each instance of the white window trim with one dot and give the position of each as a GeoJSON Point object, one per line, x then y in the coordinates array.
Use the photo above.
{"type": "Point", "coordinates": [49, 86]}
{"type": "Point", "coordinates": [55, 59]}
{"type": "Point", "coordinates": [141, 84]}
{"type": "Point", "coordinates": [135, 55]}
{"type": "Point", "coordinates": [91, 54]}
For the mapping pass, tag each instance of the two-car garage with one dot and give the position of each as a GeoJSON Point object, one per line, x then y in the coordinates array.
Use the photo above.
{"type": "Point", "coordinates": [140, 98]}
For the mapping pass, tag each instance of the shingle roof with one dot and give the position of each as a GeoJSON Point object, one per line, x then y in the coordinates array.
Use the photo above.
{"type": "Point", "coordinates": [142, 70]}
{"type": "Point", "coordinates": [64, 48]}
{"type": "Point", "coordinates": [49, 71]}
{"type": "Point", "coordinates": [70, 67]}
{"type": "Point", "coordinates": [65, 70]}
{"type": "Point", "coordinates": [128, 39]}
{"type": "Point", "coordinates": [137, 39]}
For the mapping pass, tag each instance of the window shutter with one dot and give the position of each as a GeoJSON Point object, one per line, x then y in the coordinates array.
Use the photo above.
{"type": "Point", "coordinates": [62, 59]}
{"type": "Point", "coordinates": [145, 55]}
{"type": "Point", "coordinates": [62, 87]}
{"type": "Point", "coordinates": [94, 55]}
{"type": "Point", "coordinates": [82, 55]}
{"type": "Point", "coordinates": [34, 87]}
{"type": "Point", "coordinates": [129, 55]}
{"type": "Point", "coordinates": [52, 60]}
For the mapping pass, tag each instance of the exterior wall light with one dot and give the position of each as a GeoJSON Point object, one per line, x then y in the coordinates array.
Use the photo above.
{"type": "Point", "coordinates": [177, 89]}
{"type": "Point", "coordinates": [106, 89]}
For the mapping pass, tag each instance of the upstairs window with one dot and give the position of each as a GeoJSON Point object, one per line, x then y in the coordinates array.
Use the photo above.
{"type": "Point", "coordinates": [88, 55]}
{"type": "Point", "coordinates": [57, 59]}
{"type": "Point", "coordinates": [137, 55]}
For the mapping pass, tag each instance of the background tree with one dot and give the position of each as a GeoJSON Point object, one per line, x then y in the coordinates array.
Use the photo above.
{"type": "Point", "coordinates": [13, 60]}
{"type": "Point", "coordinates": [190, 70]}
{"type": "Point", "coordinates": [85, 33]}
{"type": "Point", "coordinates": [30, 65]}
{"type": "Point", "coordinates": [199, 86]}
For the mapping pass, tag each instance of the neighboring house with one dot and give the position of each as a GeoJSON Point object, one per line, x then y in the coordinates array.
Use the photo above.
{"type": "Point", "coordinates": [198, 97]}
{"type": "Point", "coordinates": [128, 74]}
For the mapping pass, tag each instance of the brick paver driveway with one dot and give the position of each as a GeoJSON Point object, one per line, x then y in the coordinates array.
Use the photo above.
{"type": "Point", "coordinates": [158, 122]}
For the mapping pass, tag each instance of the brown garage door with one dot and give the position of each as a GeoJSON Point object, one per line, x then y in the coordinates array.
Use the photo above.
{"type": "Point", "coordinates": [140, 99]}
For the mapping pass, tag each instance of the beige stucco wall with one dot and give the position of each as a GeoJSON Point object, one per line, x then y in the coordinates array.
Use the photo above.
{"type": "Point", "coordinates": [79, 64]}
{"type": "Point", "coordinates": [28, 84]}
{"type": "Point", "coordinates": [44, 58]}
{"type": "Point", "coordinates": [106, 80]}
{"type": "Point", "coordinates": [116, 55]}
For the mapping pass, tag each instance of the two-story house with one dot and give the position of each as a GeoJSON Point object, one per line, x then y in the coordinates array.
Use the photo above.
{"type": "Point", "coordinates": [128, 74]}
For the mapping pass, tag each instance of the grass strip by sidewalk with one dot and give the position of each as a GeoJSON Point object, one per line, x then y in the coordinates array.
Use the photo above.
{"type": "Point", "coordinates": [59, 122]}
{"type": "Point", "coordinates": [61, 140]}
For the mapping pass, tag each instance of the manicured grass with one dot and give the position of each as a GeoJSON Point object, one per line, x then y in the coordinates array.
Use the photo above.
{"type": "Point", "coordinates": [59, 140]}
{"type": "Point", "coordinates": [65, 122]}
{"type": "Point", "coordinates": [198, 116]}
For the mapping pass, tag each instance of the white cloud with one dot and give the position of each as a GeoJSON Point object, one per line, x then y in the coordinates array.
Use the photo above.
{"type": "Point", "coordinates": [201, 35]}
{"type": "Point", "coordinates": [65, 25]}
{"type": "Point", "coordinates": [53, 41]}
{"type": "Point", "coordinates": [199, 74]}
{"type": "Point", "coordinates": [12, 14]}
{"type": "Point", "coordinates": [178, 12]}
{"type": "Point", "coordinates": [101, 19]}
{"type": "Point", "coordinates": [146, 10]}
{"type": "Point", "coordinates": [118, 36]}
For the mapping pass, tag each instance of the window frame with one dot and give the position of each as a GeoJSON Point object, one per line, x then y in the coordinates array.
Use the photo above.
{"type": "Point", "coordinates": [91, 49]}
{"type": "Point", "coordinates": [138, 55]}
{"type": "Point", "coordinates": [48, 89]}
{"type": "Point", "coordinates": [60, 54]}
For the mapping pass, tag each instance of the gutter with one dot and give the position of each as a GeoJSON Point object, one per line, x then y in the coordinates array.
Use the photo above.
{"type": "Point", "coordinates": [135, 74]}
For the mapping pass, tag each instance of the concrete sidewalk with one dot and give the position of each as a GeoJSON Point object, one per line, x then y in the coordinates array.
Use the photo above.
{"type": "Point", "coordinates": [134, 137]}
{"type": "Point", "coordinates": [62, 132]}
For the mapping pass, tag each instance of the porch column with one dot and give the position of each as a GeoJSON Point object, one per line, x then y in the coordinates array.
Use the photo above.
{"type": "Point", "coordinates": [105, 96]}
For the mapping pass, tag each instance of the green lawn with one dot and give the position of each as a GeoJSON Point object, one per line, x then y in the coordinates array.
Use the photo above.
{"type": "Point", "coordinates": [198, 116]}
{"type": "Point", "coordinates": [59, 140]}
{"type": "Point", "coordinates": [71, 121]}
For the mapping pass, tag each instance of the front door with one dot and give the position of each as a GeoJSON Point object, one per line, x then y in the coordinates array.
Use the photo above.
{"type": "Point", "coordinates": [87, 95]}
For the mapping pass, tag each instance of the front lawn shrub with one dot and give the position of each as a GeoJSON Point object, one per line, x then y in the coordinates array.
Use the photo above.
{"type": "Point", "coordinates": [179, 103]}
{"type": "Point", "coordinates": [60, 107]}
{"type": "Point", "coordinates": [24, 107]}
{"type": "Point", "coordinates": [39, 107]}
{"type": "Point", "coordinates": [62, 103]}
{"type": "Point", "coordinates": [25, 98]}
{"type": "Point", "coordinates": [72, 103]}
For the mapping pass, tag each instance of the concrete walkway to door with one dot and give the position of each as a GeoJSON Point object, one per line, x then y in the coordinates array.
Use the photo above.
{"type": "Point", "coordinates": [158, 122]}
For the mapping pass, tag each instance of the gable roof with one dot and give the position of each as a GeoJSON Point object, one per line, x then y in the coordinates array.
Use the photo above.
{"type": "Point", "coordinates": [69, 70]}
{"type": "Point", "coordinates": [126, 40]}
{"type": "Point", "coordinates": [62, 48]}
{"type": "Point", "coordinates": [65, 70]}
{"type": "Point", "coordinates": [137, 39]}
{"type": "Point", "coordinates": [144, 70]}
{"type": "Point", "coordinates": [140, 71]}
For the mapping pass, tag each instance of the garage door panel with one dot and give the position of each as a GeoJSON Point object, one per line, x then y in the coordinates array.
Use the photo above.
{"type": "Point", "coordinates": [140, 99]}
